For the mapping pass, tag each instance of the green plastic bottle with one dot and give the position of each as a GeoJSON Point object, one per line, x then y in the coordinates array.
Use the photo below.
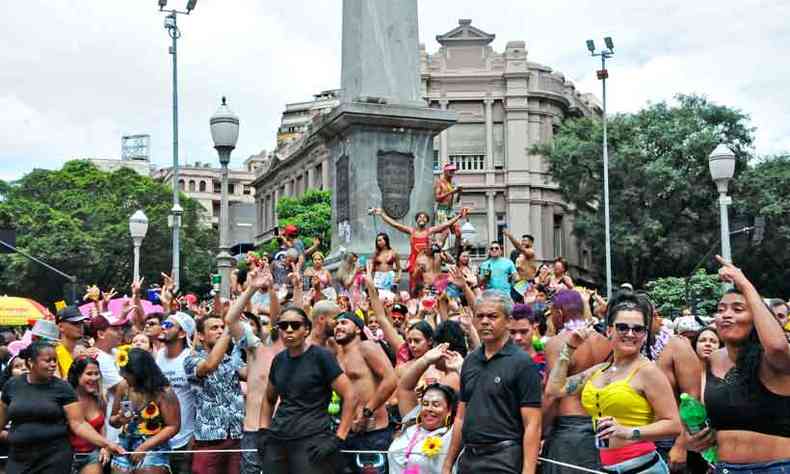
{"type": "Point", "coordinates": [695, 419]}
{"type": "Point", "coordinates": [538, 344]}
{"type": "Point", "coordinates": [334, 404]}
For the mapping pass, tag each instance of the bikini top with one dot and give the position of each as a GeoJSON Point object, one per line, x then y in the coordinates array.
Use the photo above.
{"type": "Point", "coordinates": [731, 406]}
{"type": "Point", "coordinates": [619, 400]}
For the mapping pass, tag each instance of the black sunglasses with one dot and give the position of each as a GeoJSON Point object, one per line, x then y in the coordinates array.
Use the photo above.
{"type": "Point", "coordinates": [623, 329]}
{"type": "Point", "coordinates": [284, 325]}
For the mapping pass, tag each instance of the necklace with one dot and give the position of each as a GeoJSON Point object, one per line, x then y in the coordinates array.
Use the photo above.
{"type": "Point", "coordinates": [574, 324]}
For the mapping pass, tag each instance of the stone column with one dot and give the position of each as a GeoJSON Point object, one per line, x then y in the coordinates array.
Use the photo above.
{"type": "Point", "coordinates": [274, 206]}
{"type": "Point", "coordinates": [325, 175]}
{"type": "Point", "coordinates": [489, 133]}
{"type": "Point", "coordinates": [310, 177]}
{"type": "Point", "coordinates": [491, 214]}
{"type": "Point", "coordinates": [444, 155]}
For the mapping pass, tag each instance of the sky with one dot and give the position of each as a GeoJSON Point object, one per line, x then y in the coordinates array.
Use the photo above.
{"type": "Point", "coordinates": [77, 75]}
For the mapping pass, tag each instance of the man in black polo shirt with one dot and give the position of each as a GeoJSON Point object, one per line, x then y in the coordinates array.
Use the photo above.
{"type": "Point", "coordinates": [499, 417]}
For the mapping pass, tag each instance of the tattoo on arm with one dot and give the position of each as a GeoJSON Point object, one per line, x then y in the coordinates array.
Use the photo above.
{"type": "Point", "coordinates": [574, 384]}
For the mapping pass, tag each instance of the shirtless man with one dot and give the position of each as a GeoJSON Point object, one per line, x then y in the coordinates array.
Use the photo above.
{"type": "Point", "coordinates": [259, 361]}
{"type": "Point", "coordinates": [679, 362]}
{"type": "Point", "coordinates": [428, 266]}
{"type": "Point", "coordinates": [374, 382]}
{"type": "Point", "coordinates": [446, 195]}
{"type": "Point", "coordinates": [526, 265]}
{"type": "Point", "coordinates": [572, 426]}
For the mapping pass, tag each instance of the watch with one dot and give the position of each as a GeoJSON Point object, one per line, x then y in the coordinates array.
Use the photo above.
{"type": "Point", "coordinates": [367, 412]}
{"type": "Point", "coordinates": [636, 434]}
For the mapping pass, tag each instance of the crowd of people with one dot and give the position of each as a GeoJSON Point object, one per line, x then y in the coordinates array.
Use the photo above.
{"type": "Point", "coordinates": [505, 368]}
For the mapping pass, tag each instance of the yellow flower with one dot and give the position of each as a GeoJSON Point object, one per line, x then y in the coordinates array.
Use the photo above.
{"type": "Point", "coordinates": [150, 412]}
{"type": "Point", "coordinates": [149, 427]}
{"type": "Point", "coordinates": [122, 356]}
{"type": "Point", "coordinates": [432, 446]}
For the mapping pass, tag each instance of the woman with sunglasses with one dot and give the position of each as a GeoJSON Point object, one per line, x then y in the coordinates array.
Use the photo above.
{"type": "Point", "coordinates": [747, 386]}
{"type": "Point", "coordinates": [629, 398]}
{"type": "Point", "coordinates": [297, 439]}
{"type": "Point", "coordinates": [85, 376]}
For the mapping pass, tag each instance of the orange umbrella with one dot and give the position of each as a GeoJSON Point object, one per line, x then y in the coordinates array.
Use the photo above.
{"type": "Point", "coordinates": [15, 311]}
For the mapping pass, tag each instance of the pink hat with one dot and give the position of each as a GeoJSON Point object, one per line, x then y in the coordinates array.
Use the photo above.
{"type": "Point", "coordinates": [449, 167]}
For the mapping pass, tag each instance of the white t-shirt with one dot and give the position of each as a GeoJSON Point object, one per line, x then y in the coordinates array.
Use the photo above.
{"type": "Point", "coordinates": [111, 377]}
{"type": "Point", "coordinates": [174, 371]}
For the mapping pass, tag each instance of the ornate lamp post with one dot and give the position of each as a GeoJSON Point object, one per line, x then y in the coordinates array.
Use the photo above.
{"type": "Point", "coordinates": [722, 168]}
{"type": "Point", "coordinates": [225, 133]}
{"type": "Point", "coordinates": [138, 227]}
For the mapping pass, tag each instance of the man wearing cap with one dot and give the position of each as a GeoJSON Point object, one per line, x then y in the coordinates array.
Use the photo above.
{"type": "Point", "coordinates": [107, 331]}
{"type": "Point", "coordinates": [374, 382]}
{"type": "Point", "coordinates": [176, 339]}
{"type": "Point", "coordinates": [447, 194]}
{"type": "Point", "coordinates": [69, 321]}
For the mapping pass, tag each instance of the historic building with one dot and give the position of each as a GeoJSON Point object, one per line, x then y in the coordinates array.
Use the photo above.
{"type": "Point", "coordinates": [505, 104]}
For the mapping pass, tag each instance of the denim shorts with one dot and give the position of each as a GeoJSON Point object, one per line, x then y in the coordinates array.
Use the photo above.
{"type": "Point", "coordinates": [152, 458]}
{"type": "Point", "coordinates": [774, 467]}
{"type": "Point", "coordinates": [84, 459]}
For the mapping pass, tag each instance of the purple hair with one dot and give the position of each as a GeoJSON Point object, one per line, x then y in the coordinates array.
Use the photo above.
{"type": "Point", "coordinates": [523, 311]}
{"type": "Point", "coordinates": [570, 302]}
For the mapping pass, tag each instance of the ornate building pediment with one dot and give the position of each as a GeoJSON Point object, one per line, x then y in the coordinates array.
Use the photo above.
{"type": "Point", "coordinates": [465, 34]}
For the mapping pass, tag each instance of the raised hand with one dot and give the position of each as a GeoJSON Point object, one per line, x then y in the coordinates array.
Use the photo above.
{"type": "Point", "coordinates": [436, 353]}
{"type": "Point", "coordinates": [108, 295]}
{"type": "Point", "coordinates": [167, 282]}
{"type": "Point", "coordinates": [260, 277]}
{"type": "Point", "coordinates": [453, 361]}
{"type": "Point", "coordinates": [92, 293]}
{"type": "Point", "coordinates": [729, 273]}
{"type": "Point", "coordinates": [137, 284]}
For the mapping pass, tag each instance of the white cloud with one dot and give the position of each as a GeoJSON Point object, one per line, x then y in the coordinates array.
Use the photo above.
{"type": "Point", "coordinates": [78, 75]}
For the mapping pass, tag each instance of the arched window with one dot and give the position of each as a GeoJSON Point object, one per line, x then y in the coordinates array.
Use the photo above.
{"type": "Point", "coordinates": [191, 186]}
{"type": "Point", "coordinates": [202, 186]}
{"type": "Point", "coordinates": [181, 184]}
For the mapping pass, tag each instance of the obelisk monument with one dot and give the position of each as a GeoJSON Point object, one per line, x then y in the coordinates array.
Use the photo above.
{"type": "Point", "coordinates": [380, 137]}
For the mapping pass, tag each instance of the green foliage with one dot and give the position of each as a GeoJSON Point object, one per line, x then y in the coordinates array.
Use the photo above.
{"type": "Point", "coordinates": [701, 291]}
{"type": "Point", "coordinates": [763, 190]}
{"type": "Point", "coordinates": [77, 220]}
{"type": "Point", "coordinates": [663, 204]}
{"type": "Point", "coordinates": [311, 213]}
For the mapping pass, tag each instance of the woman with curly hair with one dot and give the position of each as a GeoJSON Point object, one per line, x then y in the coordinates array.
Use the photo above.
{"type": "Point", "coordinates": [147, 411]}
{"type": "Point", "coordinates": [747, 386]}
{"type": "Point", "coordinates": [84, 375]}
{"type": "Point", "coordinates": [629, 398]}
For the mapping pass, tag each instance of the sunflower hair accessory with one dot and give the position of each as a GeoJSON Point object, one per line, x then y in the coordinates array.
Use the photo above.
{"type": "Point", "coordinates": [122, 356]}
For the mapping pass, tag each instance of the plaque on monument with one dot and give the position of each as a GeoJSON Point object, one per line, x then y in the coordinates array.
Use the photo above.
{"type": "Point", "coordinates": [395, 173]}
{"type": "Point", "coordinates": [342, 203]}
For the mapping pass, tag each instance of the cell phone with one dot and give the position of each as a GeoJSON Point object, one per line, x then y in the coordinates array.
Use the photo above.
{"type": "Point", "coordinates": [126, 408]}
{"type": "Point", "coordinates": [600, 443]}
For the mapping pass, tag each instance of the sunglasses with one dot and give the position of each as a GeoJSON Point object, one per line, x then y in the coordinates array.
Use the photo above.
{"type": "Point", "coordinates": [294, 325]}
{"type": "Point", "coordinates": [494, 248]}
{"type": "Point", "coordinates": [167, 324]}
{"type": "Point", "coordinates": [623, 329]}
{"type": "Point", "coordinates": [265, 321]}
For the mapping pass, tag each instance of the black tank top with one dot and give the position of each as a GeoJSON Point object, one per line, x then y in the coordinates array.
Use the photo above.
{"type": "Point", "coordinates": [731, 407]}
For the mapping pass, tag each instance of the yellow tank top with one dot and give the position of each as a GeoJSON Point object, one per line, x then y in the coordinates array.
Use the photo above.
{"type": "Point", "coordinates": [619, 400]}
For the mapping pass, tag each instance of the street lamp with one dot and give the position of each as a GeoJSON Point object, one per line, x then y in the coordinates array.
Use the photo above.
{"type": "Point", "coordinates": [171, 25]}
{"type": "Point", "coordinates": [138, 227]}
{"type": "Point", "coordinates": [225, 133]}
{"type": "Point", "coordinates": [468, 233]}
{"type": "Point", "coordinates": [722, 168]}
{"type": "Point", "coordinates": [603, 74]}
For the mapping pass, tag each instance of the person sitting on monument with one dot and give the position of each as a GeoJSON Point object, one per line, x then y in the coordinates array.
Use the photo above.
{"type": "Point", "coordinates": [385, 264]}
{"type": "Point", "coordinates": [524, 258]}
{"type": "Point", "coordinates": [318, 276]}
{"type": "Point", "coordinates": [446, 194]}
{"type": "Point", "coordinates": [288, 239]}
{"type": "Point", "coordinates": [420, 236]}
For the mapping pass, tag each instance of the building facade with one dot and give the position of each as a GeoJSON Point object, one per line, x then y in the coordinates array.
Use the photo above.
{"type": "Point", "coordinates": [203, 182]}
{"type": "Point", "coordinates": [506, 104]}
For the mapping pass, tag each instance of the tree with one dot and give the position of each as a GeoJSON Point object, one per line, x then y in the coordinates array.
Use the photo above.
{"type": "Point", "coordinates": [77, 219]}
{"type": "Point", "coordinates": [311, 213]}
{"type": "Point", "coordinates": [663, 207]}
{"type": "Point", "coordinates": [699, 292]}
{"type": "Point", "coordinates": [764, 190]}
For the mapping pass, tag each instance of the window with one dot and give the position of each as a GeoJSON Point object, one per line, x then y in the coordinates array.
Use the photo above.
{"type": "Point", "coordinates": [202, 186]}
{"type": "Point", "coordinates": [181, 185]}
{"type": "Point", "coordinates": [246, 189]}
{"type": "Point", "coordinates": [436, 162]}
{"type": "Point", "coordinates": [231, 188]}
{"type": "Point", "coordinates": [559, 236]}
{"type": "Point", "coordinates": [501, 225]}
{"type": "Point", "coordinates": [468, 162]}
{"type": "Point", "coordinates": [191, 186]}
{"type": "Point", "coordinates": [478, 252]}
{"type": "Point", "coordinates": [217, 187]}
{"type": "Point", "coordinates": [319, 176]}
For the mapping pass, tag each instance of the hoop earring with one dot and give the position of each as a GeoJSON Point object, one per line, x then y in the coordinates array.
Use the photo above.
{"type": "Point", "coordinates": [447, 421]}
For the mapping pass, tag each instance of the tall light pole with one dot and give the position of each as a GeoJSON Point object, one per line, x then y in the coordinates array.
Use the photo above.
{"type": "Point", "coordinates": [603, 74]}
{"type": "Point", "coordinates": [171, 25]}
{"type": "Point", "coordinates": [225, 133]}
{"type": "Point", "coordinates": [138, 227]}
{"type": "Point", "coordinates": [721, 163]}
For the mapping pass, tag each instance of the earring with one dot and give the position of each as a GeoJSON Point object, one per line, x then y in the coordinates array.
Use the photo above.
{"type": "Point", "coordinates": [447, 421]}
{"type": "Point", "coordinates": [419, 419]}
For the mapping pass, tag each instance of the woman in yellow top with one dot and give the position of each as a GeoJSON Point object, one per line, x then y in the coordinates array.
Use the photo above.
{"type": "Point", "coordinates": [629, 399]}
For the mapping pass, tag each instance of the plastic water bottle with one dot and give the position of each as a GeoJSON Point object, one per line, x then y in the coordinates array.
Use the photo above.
{"type": "Point", "coordinates": [695, 419]}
